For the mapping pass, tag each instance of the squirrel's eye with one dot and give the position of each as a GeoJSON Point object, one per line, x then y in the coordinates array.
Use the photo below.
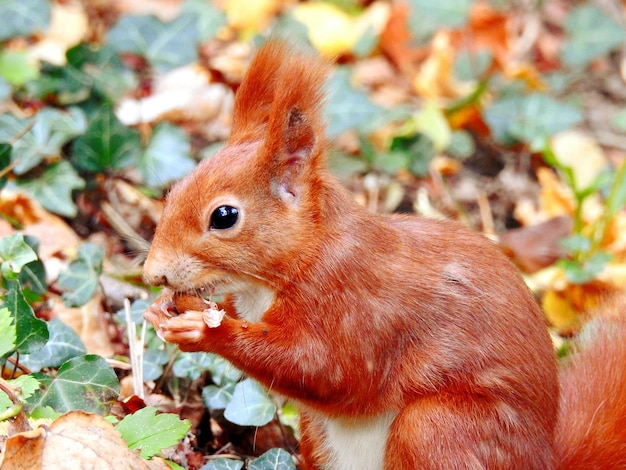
{"type": "Point", "coordinates": [224, 217]}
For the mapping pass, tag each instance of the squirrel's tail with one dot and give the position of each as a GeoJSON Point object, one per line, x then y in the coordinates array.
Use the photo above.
{"type": "Point", "coordinates": [591, 433]}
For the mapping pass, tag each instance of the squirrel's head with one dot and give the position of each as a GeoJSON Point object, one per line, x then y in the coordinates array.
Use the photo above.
{"type": "Point", "coordinates": [248, 214]}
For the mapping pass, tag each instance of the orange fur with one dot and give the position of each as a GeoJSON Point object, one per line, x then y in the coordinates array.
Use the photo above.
{"type": "Point", "coordinates": [592, 417]}
{"type": "Point", "coordinates": [407, 342]}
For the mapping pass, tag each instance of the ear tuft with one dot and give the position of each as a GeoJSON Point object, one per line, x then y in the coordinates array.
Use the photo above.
{"type": "Point", "coordinates": [299, 136]}
{"type": "Point", "coordinates": [279, 104]}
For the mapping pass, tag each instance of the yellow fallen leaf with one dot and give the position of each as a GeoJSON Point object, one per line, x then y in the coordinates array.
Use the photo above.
{"type": "Point", "coordinates": [333, 32]}
{"type": "Point", "coordinates": [250, 15]}
{"type": "Point", "coordinates": [567, 308]}
{"type": "Point", "coordinates": [330, 29]}
{"type": "Point", "coordinates": [558, 310]}
{"type": "Point", "coordinates": [582, 154]}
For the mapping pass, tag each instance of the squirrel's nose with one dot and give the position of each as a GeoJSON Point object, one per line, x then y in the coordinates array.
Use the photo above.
{"type": "Point", "coordinates": [152, 274]}
{"type": "Point", "coordinates": [156, 280]}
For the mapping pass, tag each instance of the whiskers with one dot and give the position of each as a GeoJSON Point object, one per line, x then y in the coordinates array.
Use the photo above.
{"type": "Point", "coordinates": [135, 242]}
{"type": "Point", "coordinates": [280, 279]}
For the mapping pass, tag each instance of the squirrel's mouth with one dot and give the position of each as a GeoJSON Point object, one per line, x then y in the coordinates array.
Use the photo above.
{"type": "Point", "coordinates": [205, 292]}
{"type": "Point", "coordinates": [215, 287]}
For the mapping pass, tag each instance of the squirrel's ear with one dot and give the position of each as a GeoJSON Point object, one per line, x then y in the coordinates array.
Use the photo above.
{"type": "Point", "coordinates": [294, 145]}
{"type": "Point", "coordinates": [299, 137]}
{"type": "Point", "coordinates": [279, 104]}
{"type": "Point", "coordinates": [291, 155]}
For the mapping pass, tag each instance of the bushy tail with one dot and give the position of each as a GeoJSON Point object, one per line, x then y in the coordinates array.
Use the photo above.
{"type": "Point", "coordinates": [592, 420]}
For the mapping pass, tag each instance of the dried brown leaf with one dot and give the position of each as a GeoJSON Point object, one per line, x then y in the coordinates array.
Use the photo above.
{"type": "Point", "coordinates": [74, 440]}
{"type": "Point", "coordinates": [538, 246]}
{"type": "Point", "coordinates": [87, 322]}
{"type": "Point", "coordinates": [54, 234]}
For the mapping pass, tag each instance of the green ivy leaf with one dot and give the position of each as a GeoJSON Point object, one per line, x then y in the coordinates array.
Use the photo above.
{"type": "Point", "coordinates": [151, 433]}
{"type": "Point", "coordinates": [192, 365]}
{"type": "Point", "coordinates": [223, 464]}
{"type": "Point", "coordinates": [217, 398]}
{"type": "Point", "coordinates": [33, 274]}
{"type": "Point", "coordinates": [8, 335]}
{"type": "Point", "coordinates": [137, 309]}
{"type": "Point", "coordinates": [32, 333]}
{"type": "Point", "coordinates": [83, 383]}
{"type": "Point", "coordinates": [591, 33]}
{"type": "Point", "coordinates": [529, 119]}
{"type": "Point", "coordinates": [66, 84]}
{"type": "Point", "coordinates": [53, 189]}
{"type": "Point", "coordinates": [23, 17]}
{"type": "Point", "coordinates": [418, 150]}
{"type": "Point", "coordinates": [273, 459]}
{"type": "Point", "coordinates": [62, 345]}
{"type": "Point", "coordinates": [153, 362]}
{"type": "Point", "coordinates": [80, 281]}
{"type": "Point", "coordinates": [15, 253]}
{"type": "Point", "coordinates": [210, 18]}
{"type": "Point", "coordinates": [250, 406]}
{"type": "Point", "coordinates": [91, 69]}
{"type": "Point", "coordinates": [223, 372]}
{"type": "Point", "coordinates": [348, 108]}
{"type": "Point", "coordinates": [462, 145]}
{"type": "Point", "coordinates": [166, 157]}
{"type": "Point", "coordinates": [51, 131]}
{"type": "Point", "coordinates": [165, 45]}
{"type": "Point", "coordinates": [5, 161]}
{"type": "Point", "coordinates": [100, 66]}
{"type": "Point", "coordinates": [395, 161]}
{"type": "Point", "coordinates": [426, 17]}
{"type": "Point", "coordinates": [107, 144]}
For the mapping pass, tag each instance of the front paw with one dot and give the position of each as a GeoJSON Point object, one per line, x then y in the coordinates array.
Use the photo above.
{"type": "Point", "coordinates": [188, 330]}
{"type": "Point", "coordinates": [170, 304]}
{"type": "Point", "coordinates": [161, 310]}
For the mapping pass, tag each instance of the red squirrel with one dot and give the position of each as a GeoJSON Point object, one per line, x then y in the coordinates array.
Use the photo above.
{"type": "Point", "coordinates": [407, 343]}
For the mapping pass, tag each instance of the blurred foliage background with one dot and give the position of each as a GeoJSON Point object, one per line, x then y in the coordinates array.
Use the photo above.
{"type": "Point", "coordinates": [509, 115]}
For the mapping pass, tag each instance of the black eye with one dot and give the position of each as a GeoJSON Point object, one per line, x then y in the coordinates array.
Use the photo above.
{"type": "Point", "coordinates": [224, 217]}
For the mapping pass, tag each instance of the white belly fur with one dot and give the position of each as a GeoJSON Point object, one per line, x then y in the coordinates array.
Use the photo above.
{"type": "Point", "coordinates": [252, 301]}
{"type": "Point", "coordinates": [359, 444]}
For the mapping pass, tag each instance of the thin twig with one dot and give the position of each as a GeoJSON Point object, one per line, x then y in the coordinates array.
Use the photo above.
{"type": "Point", "coordinates": [136, 346]}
